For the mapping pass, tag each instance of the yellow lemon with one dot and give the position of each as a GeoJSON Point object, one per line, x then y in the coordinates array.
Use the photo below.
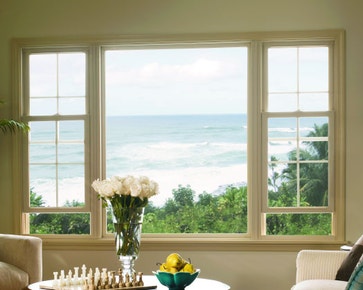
{"type": "Point", "coordinates": [174, 260]}
{"type": "Point", "coordinates": [188, 268]}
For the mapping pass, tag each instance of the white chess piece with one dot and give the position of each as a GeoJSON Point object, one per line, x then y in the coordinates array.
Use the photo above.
{"type": "Point", "coordinates": [55, 280]}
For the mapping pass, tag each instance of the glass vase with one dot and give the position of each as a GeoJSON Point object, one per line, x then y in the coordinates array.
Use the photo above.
{"type": "Point", "coordinates": [127, 225]}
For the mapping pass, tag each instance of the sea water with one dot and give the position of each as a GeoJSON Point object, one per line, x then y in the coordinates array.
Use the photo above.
{"type": "Point", "coordinates": [205, 152]}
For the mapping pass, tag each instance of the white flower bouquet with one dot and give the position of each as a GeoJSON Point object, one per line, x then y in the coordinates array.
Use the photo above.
{"type": "Point", "coordinates": [129, 191]}
{"type": "Point", "coordinates": [128, 197]}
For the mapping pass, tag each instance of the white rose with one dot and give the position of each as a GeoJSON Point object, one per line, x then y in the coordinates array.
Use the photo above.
{"type": "Point", "coordinates": [103, 187]}
{"type": "Point", "coordinates": [135, 188]}
{"type": "Point", "coordinates": [117, 185]}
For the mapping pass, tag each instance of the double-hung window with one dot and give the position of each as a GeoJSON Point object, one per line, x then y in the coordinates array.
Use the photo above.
{"type": "Point", "coordinates": [55, 102]}
{"type": "Point", "coordinates": [297, 124]}
{"type": "Point", "coordinates": [243, 133]}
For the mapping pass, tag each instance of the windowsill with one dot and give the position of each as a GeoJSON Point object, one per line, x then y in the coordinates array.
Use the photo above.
{"type": "Point", "coordinates": [192, 244]}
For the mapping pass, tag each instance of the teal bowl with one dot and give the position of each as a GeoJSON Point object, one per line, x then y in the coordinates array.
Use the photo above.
{"type": "Point", "coordinates": [177, 281]}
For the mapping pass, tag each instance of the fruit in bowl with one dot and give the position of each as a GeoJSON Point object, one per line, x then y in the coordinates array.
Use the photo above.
{"type": "Point", "coordinates": [176, 273]}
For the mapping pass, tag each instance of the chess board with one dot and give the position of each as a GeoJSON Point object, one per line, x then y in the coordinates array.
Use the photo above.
{"type": "Point", "coordinates": [94, 279]}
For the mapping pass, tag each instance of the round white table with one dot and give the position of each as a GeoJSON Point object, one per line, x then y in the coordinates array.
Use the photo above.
{"type": "Point", "coordinates": [149, 280]}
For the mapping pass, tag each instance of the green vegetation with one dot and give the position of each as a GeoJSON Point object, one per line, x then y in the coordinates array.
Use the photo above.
{"type": "Point", "coordinates": [9, 125]}
{"type": "Point", "coordinates": [225, 212]}
{"type": "Point", "coordinates": [58, 223]}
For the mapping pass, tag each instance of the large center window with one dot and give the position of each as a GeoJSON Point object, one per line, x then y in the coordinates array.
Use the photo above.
{"type": "Point", "coordinates": [179, 116]}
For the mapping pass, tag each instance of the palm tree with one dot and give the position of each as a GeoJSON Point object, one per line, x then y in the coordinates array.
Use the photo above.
{"type": "Point", "coordinates": [313, 176]}
{"type": "Point", "coordinates": [9, 125]}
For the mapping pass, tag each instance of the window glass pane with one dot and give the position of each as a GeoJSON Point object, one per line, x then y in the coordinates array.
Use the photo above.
{"type": "Point", "coordinates": [43, 107]}
{"type": "Point", "coordinates": [314, 184]}
{"type": "Point", "coordinates": [282, 69]}
{"type": "Point", "coordinates": [43, 75]}
{"type": "Point", "coordinates": [42, 131]}
{"type": "Point", "coordinates": [280, 150]}
{"type": "Point", "coordinates": [71, 185]}
{"type": "Point", "coordinates": [314, 69]}
{"type": "Point", "coordinates": [314, 128]}
{"type": "Point", "coordinates": [314, 102]}
{"type": "Point", "coordinates": [279, 128]}
{"type": "Point", "coordinates": [282, 185]}
{"type": "Point", "coordinates": [60, 223]}
{"type": "Point", "coordinates": [43, 183]}
{"type": "Point", "coordinates": [42, 153]}
{"type": "Point", "coordinates": [314, 150]}
{"type": "Point", "coordinates": [299, 224]}
{"type": "Point", "coordinates": [179, 117]}
{"type": "Point", "coordinates": [282, 102]}
{"type": "Point", "coordinates": [72, 74]}
{"type": "Point", "coordinates": [71, 153]}
{"type": "Point", "coordinates": [71, 131]}
{"type": "Point", "coordinates": [72, 106]}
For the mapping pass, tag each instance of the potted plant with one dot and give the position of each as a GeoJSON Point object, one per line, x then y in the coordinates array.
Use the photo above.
{"type": "Point", "coordinates": [9, 125]}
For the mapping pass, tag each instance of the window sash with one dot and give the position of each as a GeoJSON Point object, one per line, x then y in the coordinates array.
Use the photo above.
{"type": "Point", "coordinates": [27, 117]}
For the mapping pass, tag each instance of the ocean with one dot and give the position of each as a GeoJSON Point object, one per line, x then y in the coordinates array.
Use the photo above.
{"type": "Point", "coordinates": [206, 152]}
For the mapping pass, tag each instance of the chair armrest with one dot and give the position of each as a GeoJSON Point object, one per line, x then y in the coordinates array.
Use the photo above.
{"type": "Point", "coordinates": [318, 264]}
{"type": "Point", "coordinates": [24, 252]}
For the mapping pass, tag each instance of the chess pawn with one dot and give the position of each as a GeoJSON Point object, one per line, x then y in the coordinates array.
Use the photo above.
{"type": "Point", "coordinates": [92, 285]}
{"type": "Point", "coordinates": [121, 283]}
{"type": "Point", "coordinates": [106, 282]}
{"type": "Point", "coordinates": [127, 282]}
{"type": "Point", "coordinates": [134, 282]}
{"type": "Point", "coordinates": [140, 282]}
{"type": "Point", "coordinates": [55, 278]}
{"type": "Point", "coordinates": [99, 284]}
{"type": "Point", "coordinates": [85, 285]}
{"type": "Point", "coordinates": [113, 279]}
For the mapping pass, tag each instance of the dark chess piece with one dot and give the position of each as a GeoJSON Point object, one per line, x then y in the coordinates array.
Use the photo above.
{"type": "Point", "coordinates": [140, 282]}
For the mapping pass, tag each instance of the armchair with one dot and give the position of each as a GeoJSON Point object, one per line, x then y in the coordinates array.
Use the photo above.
{"type": "Point", "coordinates": [316, 270]}
{"type": "Point", "coordinates": [20, 261]}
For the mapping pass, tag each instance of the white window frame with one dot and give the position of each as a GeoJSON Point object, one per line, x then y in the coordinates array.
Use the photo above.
{"type": "Point", "coordinates": [257, 115]}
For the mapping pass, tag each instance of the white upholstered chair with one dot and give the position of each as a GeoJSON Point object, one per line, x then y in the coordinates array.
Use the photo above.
{"type": "Point", "coordinates": [316, 270]}
{"type": "Point", "coordinates": [20, 261]}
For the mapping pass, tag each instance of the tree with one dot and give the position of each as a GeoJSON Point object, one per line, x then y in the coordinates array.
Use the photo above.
{"type": "Point", "coordinates": [67, 223]}
{"type": "Point", "coordinates": [313, 190]}
{"type": "Point", "coordinates": [313, 175]}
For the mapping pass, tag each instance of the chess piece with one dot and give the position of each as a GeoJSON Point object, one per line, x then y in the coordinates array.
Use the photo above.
{"type": "Point", "coordinates": [134, 282]}
{"type": "Point", "coordinates": [61, 279]}
{"type": "Point", "coordinates": [140, 282]}
{"type": "Point", "coordinates": [92, 285]}
{"type": "Point", "coordinates": [127, 282]}
{"type": "Point", "coordinates": [121, 283]}
{"type": "Point", "coordinates": [55, 280]}
{"type": "Point", "coordinates": [113, 279]}
{"type": "Point", "coordinates": [99, 284]}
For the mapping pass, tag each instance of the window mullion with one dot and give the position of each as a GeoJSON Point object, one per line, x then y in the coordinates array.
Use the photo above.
{"type": "Point", "coordinates": [94, 108]}
{"type": "Point", "coordinates": [255, 139]}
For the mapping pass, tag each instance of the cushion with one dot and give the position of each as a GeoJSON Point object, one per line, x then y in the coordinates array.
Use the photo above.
{"type": "Point", "coordinates": [320, 285]}
{"type": "Point", "coordinates": [350, 262]}
{"type": "Point", "coordinates": [12, 278]}
{"type": "Point", "coordinates": [356, 280]}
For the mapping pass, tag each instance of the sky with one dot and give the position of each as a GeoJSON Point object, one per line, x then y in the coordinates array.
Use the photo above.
{"type": "Point", "coordinates": [176, 81]}
{"type": "Point", "coordinates": [172, 81]}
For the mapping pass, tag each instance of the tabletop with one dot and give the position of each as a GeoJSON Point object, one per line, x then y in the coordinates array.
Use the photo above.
{"type": "Point", "coordinates": [149, 280]}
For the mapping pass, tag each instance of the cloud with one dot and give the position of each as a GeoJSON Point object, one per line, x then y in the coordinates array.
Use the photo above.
{"type": "Point", "coordinates": [155, 73]}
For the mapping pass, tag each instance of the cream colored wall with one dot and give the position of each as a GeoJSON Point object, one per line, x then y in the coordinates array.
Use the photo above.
{"type": "Point", "coordinates": [43, 18]}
